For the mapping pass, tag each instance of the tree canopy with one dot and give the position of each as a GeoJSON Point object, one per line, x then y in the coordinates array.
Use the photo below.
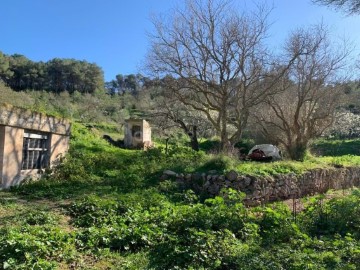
{"type": "Point", "coordinates": [56, 75]}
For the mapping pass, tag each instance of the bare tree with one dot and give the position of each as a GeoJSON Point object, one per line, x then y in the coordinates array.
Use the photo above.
{"type": "Point", "coordinates": [215, 62]}
{"type": "Point", "coordinates": [309, 96]}
{"type": "Point", "coordinates": [349, 6]}
{"type": "Point", "coordinates": [168, 113]}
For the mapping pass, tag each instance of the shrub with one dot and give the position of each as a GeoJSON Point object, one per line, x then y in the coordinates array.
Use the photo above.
{"type": "Point", "coordinates": [336, 216]}
{"type": "Point", "coordinates": [219, 163]}
{"type": "Point", "coordinates": [276, 225]}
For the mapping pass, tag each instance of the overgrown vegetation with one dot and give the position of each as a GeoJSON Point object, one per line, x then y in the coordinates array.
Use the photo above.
{"type": "Point", "coordinates": [105, 208]}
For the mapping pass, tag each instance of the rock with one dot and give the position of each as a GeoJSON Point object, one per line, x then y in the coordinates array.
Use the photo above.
{"type": "Point", "coordinates": [197, 180]}
{"type": "Point", "coordinates": [212, 172]}
{"type": "Point", "coordinates": [207, 185]}
{"type": "Point", "coordinates": [214, 189]}
{"type": "Point", "coordinates": [246, 181]}
{"type": "Point", "coordinates": [281, 183]}
{"type": "Point", "coordinates": [232, 175]}
{"type": "Point", "coordinates": [196, 177]}
{"type": "Point", "coordinates": [169, 173]}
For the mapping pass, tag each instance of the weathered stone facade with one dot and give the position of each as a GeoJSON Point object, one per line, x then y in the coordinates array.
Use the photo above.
{"type": "Point", "coordinates": [15, 125]}
{"type": "Point", "coordinates": [137, 134]}
{"type": "Point", "coordinates": [262, 189]}
{"type": "Point", "coordinates": [26, 119]}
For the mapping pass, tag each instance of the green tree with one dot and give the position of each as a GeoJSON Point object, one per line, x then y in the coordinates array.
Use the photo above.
{"type": "Point", "coordinates": [72, 75]}
{"type": "Point", "coordinates": [19, 67]}
{"type": "Point", "coordinates": [5, 72]}
{"type": "Point", "coordinates": [126, 83]}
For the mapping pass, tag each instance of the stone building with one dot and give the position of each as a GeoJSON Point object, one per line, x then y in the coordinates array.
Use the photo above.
{"type": "Point", "coordinates": [29, 143]}
{"type": "Point", "coordinates": [137, 134]}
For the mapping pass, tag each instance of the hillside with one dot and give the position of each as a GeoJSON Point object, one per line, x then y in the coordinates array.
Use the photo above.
{"type": "Point", "coordinates": [105, 208]}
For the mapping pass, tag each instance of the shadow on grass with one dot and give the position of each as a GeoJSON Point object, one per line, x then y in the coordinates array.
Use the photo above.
{"type": "Point", "coordinates": [336, 147]}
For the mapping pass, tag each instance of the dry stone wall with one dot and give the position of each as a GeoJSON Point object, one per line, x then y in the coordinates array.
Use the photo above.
{"type": "Point", "coordinates": [261, 189]}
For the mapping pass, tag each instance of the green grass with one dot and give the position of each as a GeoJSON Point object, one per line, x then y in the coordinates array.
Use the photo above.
{"type": "Point", "coordinates": [336, 147]}
{"type": "Point", "coordinates": [106, 208]}
{"type": "Point", "coordinates": [95, 167]}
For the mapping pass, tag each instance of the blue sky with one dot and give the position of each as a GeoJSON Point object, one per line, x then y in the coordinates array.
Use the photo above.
{"type": "Point", "coordinates": [112, 33]}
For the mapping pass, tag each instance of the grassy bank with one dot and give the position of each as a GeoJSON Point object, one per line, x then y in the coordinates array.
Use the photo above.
{"type": "Point", "coordinates": [105, 208]}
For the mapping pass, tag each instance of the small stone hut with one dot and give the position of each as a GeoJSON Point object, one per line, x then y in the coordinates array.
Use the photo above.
{"type": "Point", "coordinates": [137, 133]}
{"type": "Point", "coordinates": [29, 143]}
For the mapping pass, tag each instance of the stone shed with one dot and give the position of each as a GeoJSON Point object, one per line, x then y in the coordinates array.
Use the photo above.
{"type": "Point", "coordinates": [29, 143]}
{"type": "Point", "coordinates": [137, 134]}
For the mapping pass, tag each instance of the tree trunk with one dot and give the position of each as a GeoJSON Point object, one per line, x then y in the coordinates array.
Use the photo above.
{"type": "Point", "coordinates": [298, 151]}
{"type": "Point", "coordinates": [225, 143]}
{"type": "Point", "coordinates": [192, 133]}
{"type": "Point", "coordinates": [193, 139]}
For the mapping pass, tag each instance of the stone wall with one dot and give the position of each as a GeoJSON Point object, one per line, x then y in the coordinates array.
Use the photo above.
{"type": "Point", "coordinates": [261, 189]}
{"type": "Point", "coordinates": [140, 138]}
{"type": "Point", "coordinates": [26, 119]}
{"type": "Point", "coordinates": [11, 157]}
{"type": "Point", "coordinates": [14, 122]}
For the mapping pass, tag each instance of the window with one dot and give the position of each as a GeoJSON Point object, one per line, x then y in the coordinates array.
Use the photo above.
{"type": "Point", "coordinates": [136, 132]}
{"type": "Point", "coordinates": [35, 150]}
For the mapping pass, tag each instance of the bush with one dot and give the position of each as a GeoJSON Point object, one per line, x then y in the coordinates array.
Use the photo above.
{"type": "Point", "coordinates": [336, 216]}
{"type": "Point", "coordinates": [276, 225]}
{"type": "Point", "coordinates": [219, 163]}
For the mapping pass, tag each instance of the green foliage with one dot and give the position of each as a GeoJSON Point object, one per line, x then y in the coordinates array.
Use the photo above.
{"type": "Point", "coordinates": [276, 225]}
{"type": "Point", "coordinates": [206, 236]}
{"type": "Point", "coordinates": [56, 75]}
{"type": "Point", "coordinates": [336, 216]}
{"type": "Point", "coordinates": [32, 247]}
{"type": "Point", "coordinates": [220, 163]}
{"type": "Point", "coordinates": [93, 211]}
{"type": "Point", "coordinates": [336, 148]}
{"type": "Point", "coordinates": [209, 145]}
{"type": "Point", "coordinates": [279, 167]}
{"type": "Point", "coordinates": [120, 215]}
{"type": "Point", "coordinates": [131, 230]}
{"type": "Point", "coordinates": [38, 217]}
{"type": "Point", "coordinates": [198, 249]}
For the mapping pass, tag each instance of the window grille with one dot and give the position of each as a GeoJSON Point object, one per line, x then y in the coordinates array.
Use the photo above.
{"type": "Point", "coordinates": [35, 150]}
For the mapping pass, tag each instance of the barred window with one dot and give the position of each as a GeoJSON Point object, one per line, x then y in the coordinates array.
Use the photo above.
{"type": "Point", "coordinates": [35, 150]}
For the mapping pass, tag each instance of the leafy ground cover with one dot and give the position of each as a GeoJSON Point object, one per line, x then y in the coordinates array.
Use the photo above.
{"type": "Point", "coordinates": [105, 208]}
{"type": "Point", "coordinates": [337, 147]}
